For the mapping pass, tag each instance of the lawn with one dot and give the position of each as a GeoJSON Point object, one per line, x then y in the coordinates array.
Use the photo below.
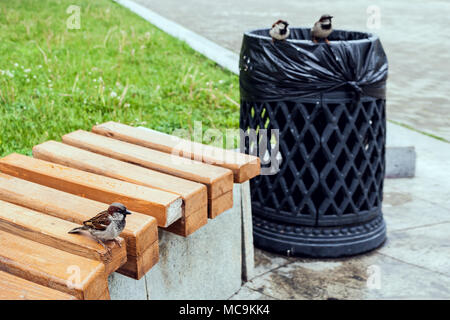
{"type": "Point", "coordinates": [117, 66]}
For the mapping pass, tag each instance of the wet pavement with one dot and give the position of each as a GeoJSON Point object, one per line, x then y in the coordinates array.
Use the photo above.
{"type": "Point", "coordinates": [414, 34]}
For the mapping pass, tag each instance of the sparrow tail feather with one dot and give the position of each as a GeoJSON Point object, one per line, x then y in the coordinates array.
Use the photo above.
{"type": "Point", "coordinates": [77, 229]}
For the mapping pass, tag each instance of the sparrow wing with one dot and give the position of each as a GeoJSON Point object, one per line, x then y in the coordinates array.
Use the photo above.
{"type": "Point", "coordinates": [100, 222]}
{"type": "Point", "coordinates": [315, 28]}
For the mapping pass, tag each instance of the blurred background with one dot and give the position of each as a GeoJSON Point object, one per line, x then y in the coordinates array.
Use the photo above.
{"type": "Point", "coordinates": [414, 34]}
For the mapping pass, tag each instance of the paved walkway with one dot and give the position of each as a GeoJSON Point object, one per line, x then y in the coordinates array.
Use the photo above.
{"type": "Point", "coordinates": [413, 32]}
{"type": "Point", "coordinates": [415, 261]}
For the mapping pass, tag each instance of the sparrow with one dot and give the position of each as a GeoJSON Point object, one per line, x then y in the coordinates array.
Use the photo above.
{"type": "Point", "coordinates": [322, 29]}
{"type": "Point", "coordinates": [279, 31]}
{"type": "Point", "coordinates": [107, 225]}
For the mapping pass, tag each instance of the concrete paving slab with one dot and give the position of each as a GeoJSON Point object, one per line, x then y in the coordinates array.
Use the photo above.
{"type": "Point", "coordinates": [370, 276]}
{"type": "Point", "coordinates": [266, 261]}
{"type": "Point", "coordinates": [431, 182]}
{"type": "Point", "coordinates": [125, 288]}
{"type": "Point", "coordinates": [426, 188]}
{"type": "Point", "coordinates": [245, 293]}
{"type": "Point", "coordinates": [402, 210]}
{"type": "Point", "coordinates": [427, 247]}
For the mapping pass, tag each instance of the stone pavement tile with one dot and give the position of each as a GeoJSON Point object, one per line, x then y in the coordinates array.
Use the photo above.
{"type": "Point", "coordinates": [266, 261]}
{"type": "Point", "coordinates": [245, 293]}
{"type": "Point", "coordinates": [125, 288]}
{"type": "Point", "coordinates": [427, 247]}
{"type": "Point", "coordinates": [348, 279]}
{"type": "Point", "coordinates": [432, 167]}
{"type": "Point", "coordinates": [404, 210]}
{"type": "Point", "coordinates": [431, 189]}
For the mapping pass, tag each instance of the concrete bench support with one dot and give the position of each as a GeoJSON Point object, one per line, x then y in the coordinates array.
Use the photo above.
{"type": "Point", "coordinates": [209, 264]}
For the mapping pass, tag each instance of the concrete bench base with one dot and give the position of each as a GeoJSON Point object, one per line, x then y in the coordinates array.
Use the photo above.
{"type": "Point", "coordinates": [209, 264]}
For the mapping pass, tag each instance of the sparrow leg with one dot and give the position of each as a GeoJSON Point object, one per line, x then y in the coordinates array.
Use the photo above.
{"type": "Point", "coordinates": [314, 40]}
{"type": "Point", "coordinates": [117, 242]}
{"type": "Point", "coordinates": [327, 41]}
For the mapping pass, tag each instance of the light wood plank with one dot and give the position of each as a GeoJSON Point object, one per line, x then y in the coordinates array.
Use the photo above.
{"type": "Point", "coordinates": [53, 268]}
{"type": "Point", "coordinates": [221, 204]}
{"type": "Point", "coordinates": [146, 261]}
{"type": "Point", "coordinates": [244, 166]}
{"type": "Point", "coordinates": [187, 226]}
{"type": "Point", "coordinates": [15, 288]}
{"type": "Point", "coordinates": [53, 232]}
{"type": "Point", "coordinates": [164, 206]}
{"type": "Point", "coordinates": [218, 180]}
{"type": "Point", "coordinates": [194, 194]}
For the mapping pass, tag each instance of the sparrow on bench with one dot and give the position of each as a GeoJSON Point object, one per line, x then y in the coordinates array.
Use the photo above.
{"type": "Point", "coordinates": [107, 225]}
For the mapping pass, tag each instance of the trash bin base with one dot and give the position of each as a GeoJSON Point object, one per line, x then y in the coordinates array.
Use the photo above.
{"type": "Point", "coordinates": [318, 242]}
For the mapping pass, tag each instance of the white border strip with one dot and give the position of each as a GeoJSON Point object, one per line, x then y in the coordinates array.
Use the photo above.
{"type": "Point", "coordinates": [223, 57]}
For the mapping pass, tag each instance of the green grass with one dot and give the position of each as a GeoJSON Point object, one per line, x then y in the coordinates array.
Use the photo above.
{"type": "Point", "coordinates": [54, 80]}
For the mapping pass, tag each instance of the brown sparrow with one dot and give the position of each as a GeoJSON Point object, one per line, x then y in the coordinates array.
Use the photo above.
{"type": "Point", "coordinates": [107, 225]}
{"type": "Point", "coordinates": [322, 28]}
{"type": "Point", "coordinates": [279, 31]}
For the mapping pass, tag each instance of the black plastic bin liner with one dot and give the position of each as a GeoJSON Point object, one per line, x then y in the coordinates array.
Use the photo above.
{"type": "Point", "coordinates": [298, 67]}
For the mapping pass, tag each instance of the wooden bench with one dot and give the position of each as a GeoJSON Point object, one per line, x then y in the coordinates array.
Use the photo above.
{"type": "Point", "coordinates": [194, 195]}
{"type": "Point", "coordinates": [52, 232]}
{"type": "Point", "coordinates": [57, 269]}
{"type": "Point", "coordinates": [15, 288]}
{"type": "Point", "coordinates": [64, 184]}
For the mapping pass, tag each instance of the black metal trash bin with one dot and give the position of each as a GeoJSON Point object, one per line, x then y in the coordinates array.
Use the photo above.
{"type": "Point", "coordinates": [328, 103]}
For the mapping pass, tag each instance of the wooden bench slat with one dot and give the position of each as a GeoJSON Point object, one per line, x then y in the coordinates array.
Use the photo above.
{"type": "Point", "coordinates": [244, 166]}
{"type": "Point", "coordinates": [194, 194]}
{"type": "Point", "coordinates": [218, 180]}
{"type": "Point", "coordinates": [53, 268]}
{"type": "Point", "coordinates": [53, 232]}
{"type": "Point", "coordinates": [187, 226]}
{"type": "Point", "coordinates": [15, 288]}
{"type": "Point", "coordinates": [221, 204]}
{"type": "Point", "coordinates": [164, 206]}
{"type": "Point", "coordinates": [137, 266]}
{"type": "Point", "coordinates": [140, 232]}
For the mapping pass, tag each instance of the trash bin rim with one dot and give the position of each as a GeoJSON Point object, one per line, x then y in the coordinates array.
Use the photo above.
{"type": "Point", "coordinates": [370, 36]}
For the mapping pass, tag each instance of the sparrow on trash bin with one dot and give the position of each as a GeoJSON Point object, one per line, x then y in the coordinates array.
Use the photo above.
{"type": "Point", "coordinates": [322, 29]}
{"type": "Point", "coordinates": [279, 31]}
{"type": "Point", "coordinates": [107, 225]}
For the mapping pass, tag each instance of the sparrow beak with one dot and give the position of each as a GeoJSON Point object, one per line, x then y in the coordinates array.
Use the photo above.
{"type": "Point", "coordinates": [127, 212]}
